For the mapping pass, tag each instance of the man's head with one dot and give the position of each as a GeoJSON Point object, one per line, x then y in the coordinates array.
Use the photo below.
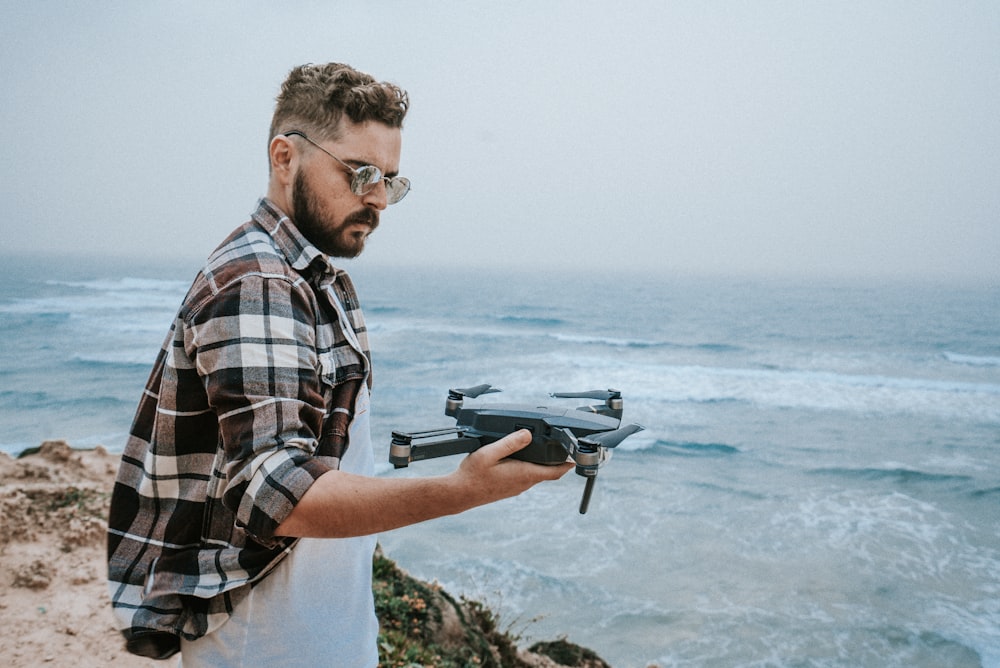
{"type": "Point", "coordinates": [330, 122]}
{"type": "Point", "coordinates": [315, 98]}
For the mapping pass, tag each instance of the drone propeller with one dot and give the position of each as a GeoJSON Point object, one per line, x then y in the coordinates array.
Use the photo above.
{"type": "Point", "coordinates": [611, 439]}
{"type": "Point", "coordinates": [602, 395]}
{"type": "Point", "coordinates": [473, 392]}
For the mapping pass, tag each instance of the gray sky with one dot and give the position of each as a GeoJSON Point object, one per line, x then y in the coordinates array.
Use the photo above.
{"type": "Point", "coordinates": [826, 138]}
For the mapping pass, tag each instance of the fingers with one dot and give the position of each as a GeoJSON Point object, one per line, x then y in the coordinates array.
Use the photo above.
{"type": "Point", "coordinates": [559, 470]}
{"type": "Point", "coordinates": [510, 443]}
{"type": "Point", "coordinates": [514, 442]}
{"type": "Point", "coordinates": [490, 473]}
{"type": "Point", "coordinates": [504, 447]}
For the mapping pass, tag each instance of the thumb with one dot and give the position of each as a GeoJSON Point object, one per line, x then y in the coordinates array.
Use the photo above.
{"type": "Point", "coordinates": [509, 444]}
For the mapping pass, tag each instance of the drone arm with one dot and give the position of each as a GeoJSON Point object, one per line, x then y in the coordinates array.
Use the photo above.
{"type": "Point", "coordinates": [454, 446]}
{"type": "Point", "coordinates": [403, 450]}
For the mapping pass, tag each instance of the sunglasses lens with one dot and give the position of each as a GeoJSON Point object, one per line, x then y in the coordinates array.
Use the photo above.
{"type": "Point", "coordinates": [396, 189]}
{"type": "Point", "coordinates": [365, 178]}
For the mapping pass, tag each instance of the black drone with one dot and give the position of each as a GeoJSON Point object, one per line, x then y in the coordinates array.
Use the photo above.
{"type": "Point", "coordinates": [582, 434]}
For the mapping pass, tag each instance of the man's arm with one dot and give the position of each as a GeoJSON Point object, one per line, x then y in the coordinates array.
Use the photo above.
{"type": "Point", "coordinates": [340, 505]}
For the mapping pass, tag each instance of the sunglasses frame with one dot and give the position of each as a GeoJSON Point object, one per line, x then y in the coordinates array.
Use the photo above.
{"type": "Point", "coordinates": [365, 177]}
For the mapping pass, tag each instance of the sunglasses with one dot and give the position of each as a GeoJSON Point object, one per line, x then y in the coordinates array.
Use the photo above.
{"type": "Point", "coordinates": [366, 177]}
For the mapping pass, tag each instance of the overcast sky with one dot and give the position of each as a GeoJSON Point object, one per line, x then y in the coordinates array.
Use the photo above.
{"type": "Point", "coordinates": [829, 138]}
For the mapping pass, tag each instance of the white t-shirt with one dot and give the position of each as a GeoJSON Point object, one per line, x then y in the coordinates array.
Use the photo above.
{"type": "Point", "coordinates": [316, 607]}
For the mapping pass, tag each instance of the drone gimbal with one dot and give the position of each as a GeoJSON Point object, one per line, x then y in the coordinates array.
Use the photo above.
{"type": "Point", "coordinates": [585, 435]}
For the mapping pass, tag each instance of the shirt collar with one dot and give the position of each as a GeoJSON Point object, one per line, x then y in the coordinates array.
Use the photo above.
{"type": "Point", "coordinates": [298, 250]}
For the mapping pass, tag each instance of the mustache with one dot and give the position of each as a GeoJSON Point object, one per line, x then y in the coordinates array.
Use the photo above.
{"type": "Point", "coordinates": [364, 216]}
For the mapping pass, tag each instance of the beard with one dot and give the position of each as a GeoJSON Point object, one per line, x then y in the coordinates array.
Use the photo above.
{"type": "Point", "coordinates": [314, 222]}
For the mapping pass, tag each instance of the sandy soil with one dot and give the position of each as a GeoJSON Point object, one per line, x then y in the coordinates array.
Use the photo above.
{"type": "Point", "coordinates": [54, 607]}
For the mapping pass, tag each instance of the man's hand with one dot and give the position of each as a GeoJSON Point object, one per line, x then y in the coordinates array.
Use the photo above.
{"type": "Point", "coordinates": [490, 473]}
{"type": "Point", "coordinates": [339, 504]}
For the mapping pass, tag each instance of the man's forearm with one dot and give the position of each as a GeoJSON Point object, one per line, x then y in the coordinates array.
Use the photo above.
{"type": "Point", "coordinates": [341, 505]}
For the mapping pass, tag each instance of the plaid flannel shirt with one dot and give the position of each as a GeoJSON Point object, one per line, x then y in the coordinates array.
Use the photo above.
{"type": "Point", "coordinates": [248, 402]}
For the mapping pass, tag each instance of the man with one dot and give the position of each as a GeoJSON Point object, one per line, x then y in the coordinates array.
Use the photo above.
{"type": "Point", "coordinates": [244, 515]}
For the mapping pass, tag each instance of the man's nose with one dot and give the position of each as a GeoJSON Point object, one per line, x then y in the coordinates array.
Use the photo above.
{"type": "Point", "coordinates": [377, 197]}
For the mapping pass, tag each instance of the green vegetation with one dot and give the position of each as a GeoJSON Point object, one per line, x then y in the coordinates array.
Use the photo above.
{"type": "Point", "coordinates": [89, 501]}
{"type": "Point", "coordinates": [422, 625]}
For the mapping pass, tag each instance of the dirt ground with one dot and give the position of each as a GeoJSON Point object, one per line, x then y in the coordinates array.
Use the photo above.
{"type": "Point", "coordinates": [54, 604]}
{"type": "Point", "coordinates": [54, 607]}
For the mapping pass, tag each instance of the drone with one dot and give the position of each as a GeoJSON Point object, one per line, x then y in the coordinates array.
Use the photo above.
{"type": "Point", "coordinates": [584, 435]}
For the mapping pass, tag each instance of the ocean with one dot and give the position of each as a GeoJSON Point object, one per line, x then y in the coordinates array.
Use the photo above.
{"type": "Point", "coordinates": [818, 482]}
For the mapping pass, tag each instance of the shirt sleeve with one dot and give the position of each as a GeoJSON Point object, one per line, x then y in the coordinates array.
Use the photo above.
{"type": "Point", "coordinates": [253, 344]}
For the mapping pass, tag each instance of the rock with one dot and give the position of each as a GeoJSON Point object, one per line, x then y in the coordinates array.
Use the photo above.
{"type": "Point", "coordinates": [56, 451]}
{"type": "Point", "coordinates": [565, 653]}
{"type": "Point", "coordinates": [36, 575]}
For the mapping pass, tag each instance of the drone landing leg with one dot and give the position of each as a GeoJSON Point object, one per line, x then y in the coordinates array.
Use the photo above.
{"type": "Point", "coordinates": [588, 489]}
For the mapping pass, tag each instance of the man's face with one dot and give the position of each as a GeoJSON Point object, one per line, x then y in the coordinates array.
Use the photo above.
{"type": "Point", "coordinates": [324, 208]}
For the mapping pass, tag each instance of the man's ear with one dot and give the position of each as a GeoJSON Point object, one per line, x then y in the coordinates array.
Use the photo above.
{"type": "Point", "coordinates": [282, 154]}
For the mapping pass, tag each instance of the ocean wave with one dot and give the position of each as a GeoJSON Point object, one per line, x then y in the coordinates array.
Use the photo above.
{"type": "Point", "coordinates": [17, 322]}
{"type": "Point", "coordinates": [474, 333]}
{"type": "Point", "coordinates": [27, 401]}
{"type": "Point", "coordinates": [715, 400]}
{"type": "Point", "coordinates": [143, 357]}
{"type": "Point", "coordinates": [19, 400]}
{"type": "Point", "coordinates": [531, 321]}
{"type": "Point", "coordinates": [878, 381]}
{"type": "Point", "coordinates": [731, 491]}
{"type": "Point", "coordinates": [617, 342]}
{"type": "Point", "coordinates": [662, 383]}
{"type": "Point", "coordinates": [38, 412]}
{"type": "Point", "coordinates": [899, 475]}
{"type": "Point", "coordinates": [715, 347]}
{"type": "Point", "coordinates": [137, 296]}
{"type": "Point", "coordinates": [136, 304]}
{"type": "Point", "coordinates": [526, 327]}
{"type": "Point", "coordinates": [126, 284]}
{"type": "Point", "coordinates": [693, 449]}
{"type": "Point", "coordinates": [652, 388]}
{"type": "Point", "coordinates": [862, 524]}
{"type": "Point", "coordinates": [382, 310]}
{"type": "Point", "coordinates": [971, 360]}
{"type": "Point", "coordinates": [607, 341]}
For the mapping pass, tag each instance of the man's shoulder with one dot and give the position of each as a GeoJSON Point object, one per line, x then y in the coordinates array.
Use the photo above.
{"type": "Point", "coordinates": [249, 249]}
{"type": "Point", "coordinates": [249, 252]}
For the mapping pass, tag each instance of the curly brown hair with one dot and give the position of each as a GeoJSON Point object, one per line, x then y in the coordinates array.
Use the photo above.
{"type": "Point", "coordinates": [314, 98]}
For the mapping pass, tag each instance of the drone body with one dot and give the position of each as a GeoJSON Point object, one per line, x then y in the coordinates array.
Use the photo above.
{"type": "Point", "coordinates": [558, 434]}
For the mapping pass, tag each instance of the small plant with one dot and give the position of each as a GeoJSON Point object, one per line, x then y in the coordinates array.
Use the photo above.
{"type": "Point", "coordinates": [88, 501]}
{"type": "Point", "coordinates": [421, 625]}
